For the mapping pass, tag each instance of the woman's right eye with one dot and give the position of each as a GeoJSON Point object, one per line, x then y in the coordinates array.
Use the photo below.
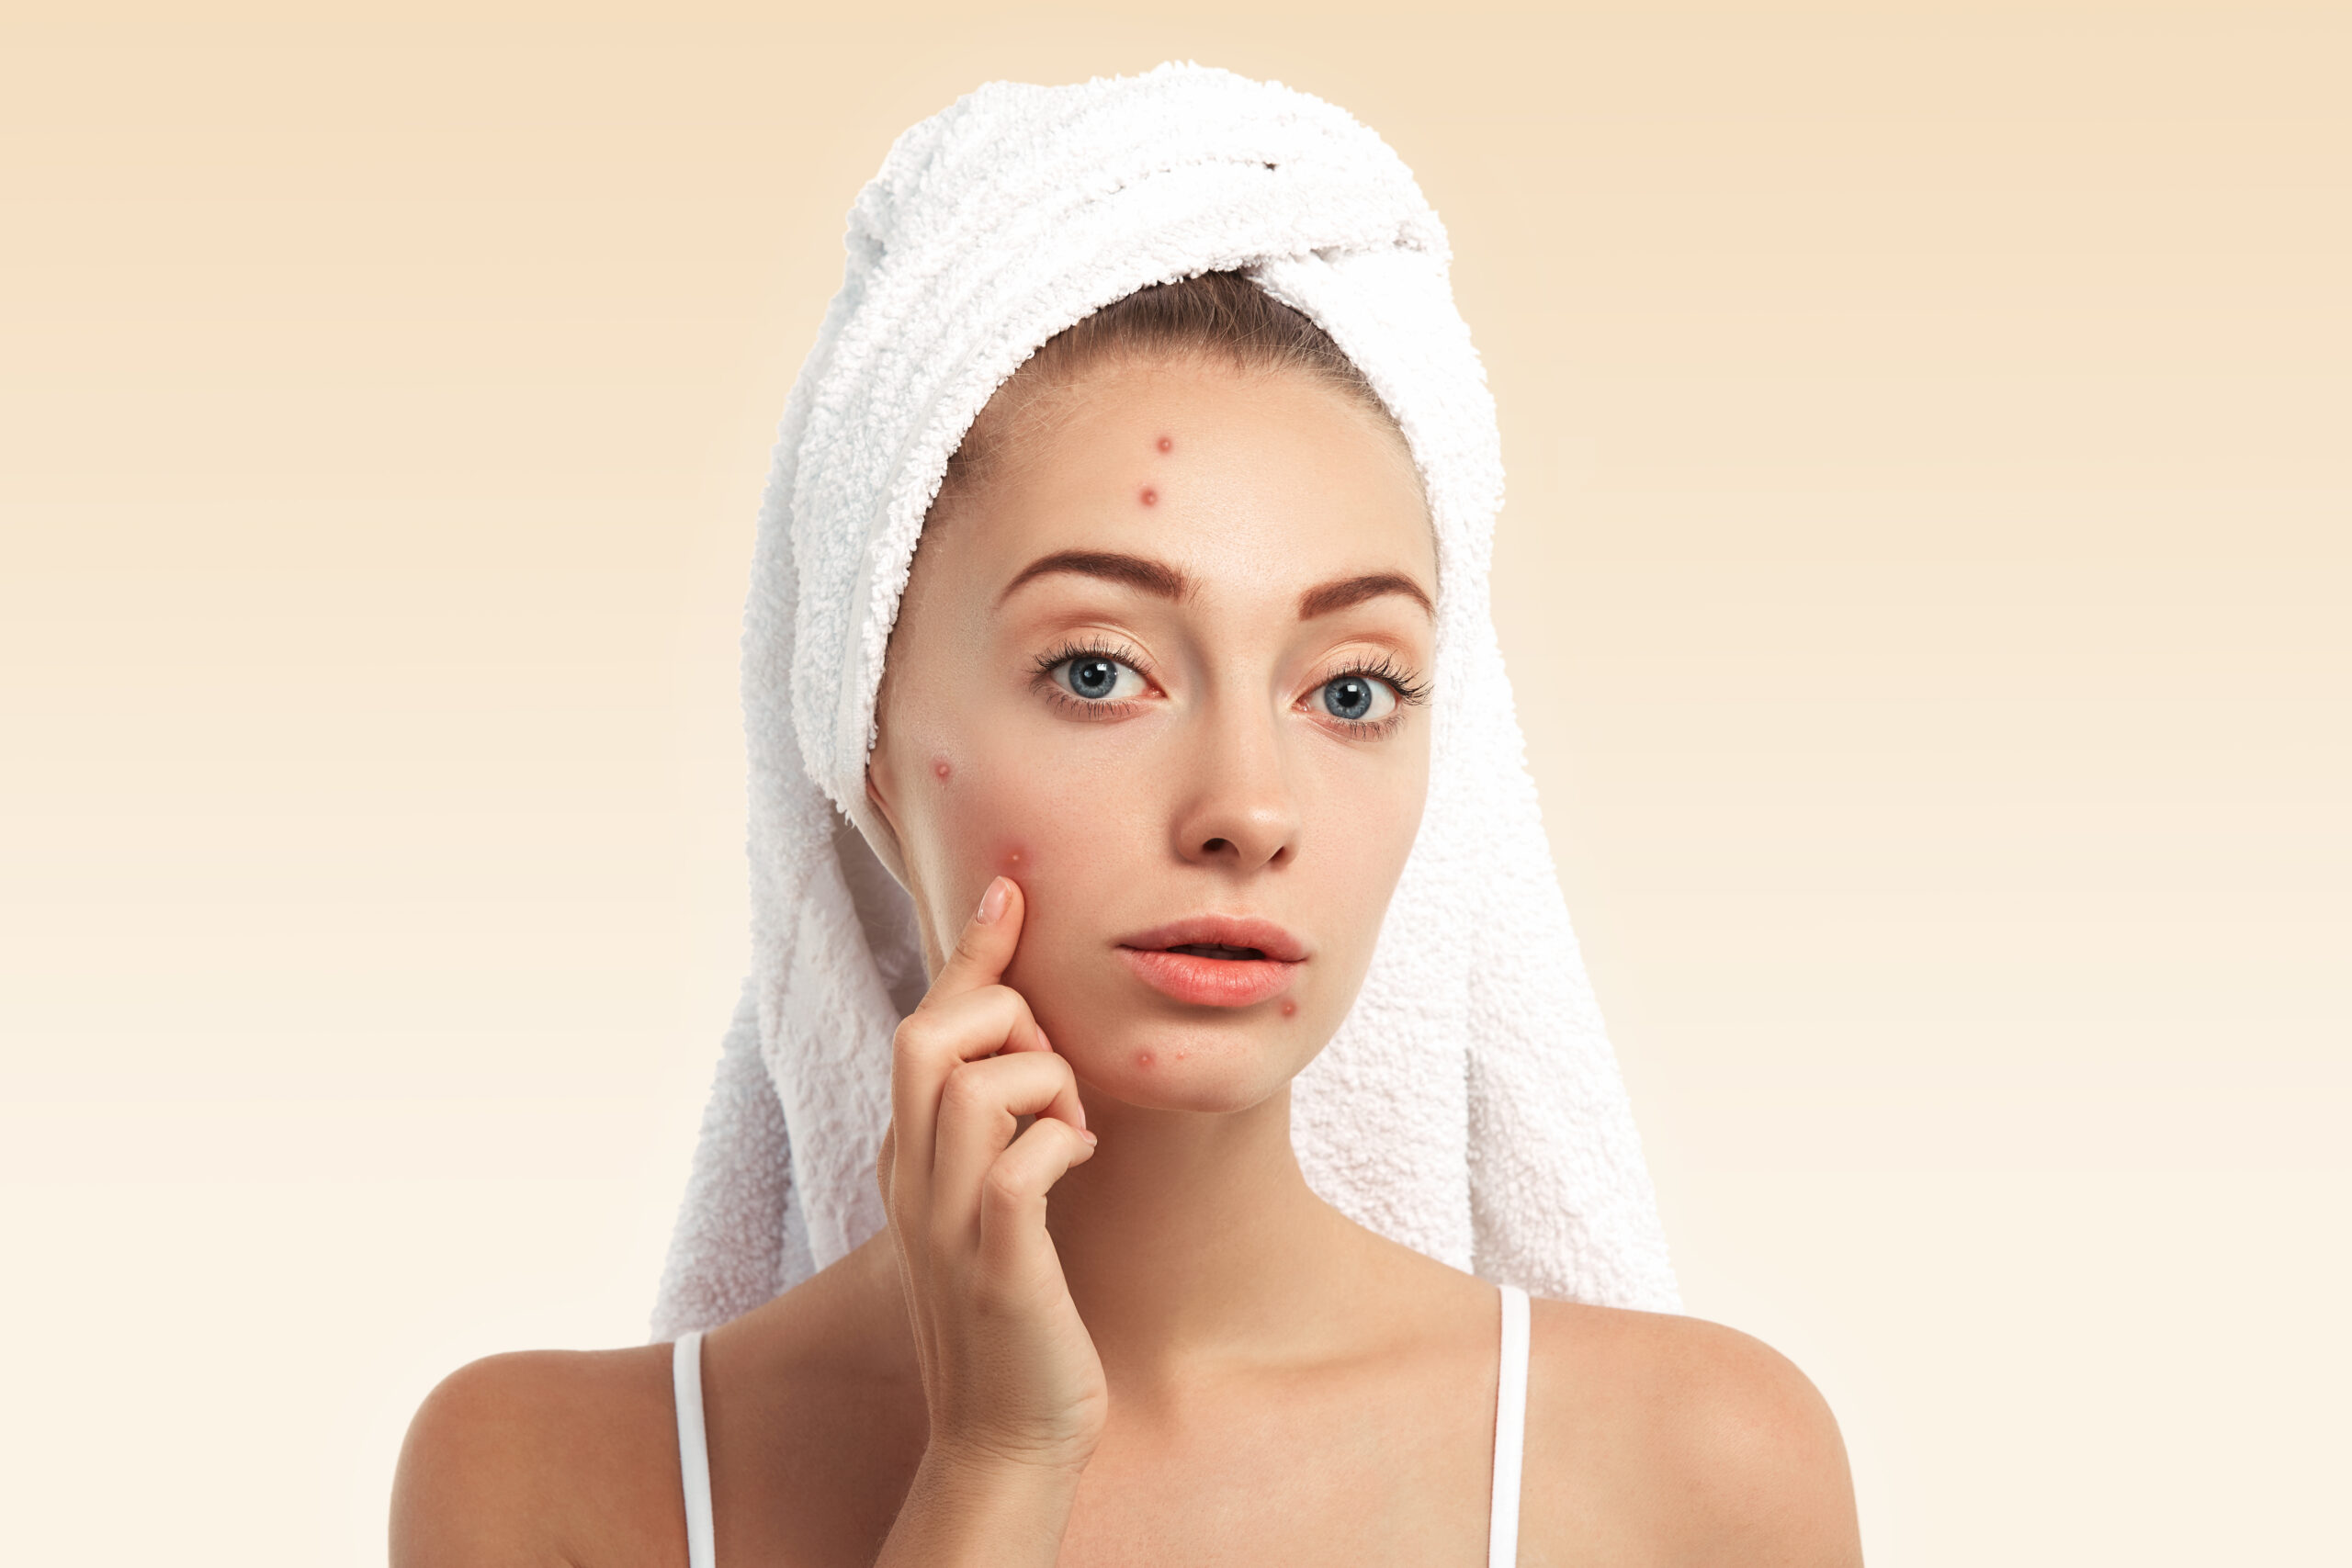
{"type": "Point", "coordinates": [1095, 679]}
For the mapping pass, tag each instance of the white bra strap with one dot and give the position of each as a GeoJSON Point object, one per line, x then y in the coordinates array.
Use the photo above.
{"type": "Point", "coordinates": [694, 1448]}
{"type": "Point", "coordinates": [1510, 1432]}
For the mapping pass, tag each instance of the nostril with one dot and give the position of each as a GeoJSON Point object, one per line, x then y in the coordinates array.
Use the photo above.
{"type": "Point", "coordinates": [1214, 846]}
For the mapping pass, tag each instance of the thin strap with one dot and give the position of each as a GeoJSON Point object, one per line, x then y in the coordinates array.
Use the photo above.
{"type": "Point", "coordinates": [1510, 1432]}
{"type": "Point", "coordinates": [694, 1448]}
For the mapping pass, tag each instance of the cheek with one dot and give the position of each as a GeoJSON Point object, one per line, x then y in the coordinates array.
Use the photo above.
{"type": "Point", "coordinates": [977, 829]}
{"type": "Point", "coordinates": [1366, 822]}
{"type": "Point", "coordinates": [982, 820]}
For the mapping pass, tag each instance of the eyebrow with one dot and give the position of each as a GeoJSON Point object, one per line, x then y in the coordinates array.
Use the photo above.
{"type": "Point", "coordinates": [1154, 578]}
{"type": "Point", "coordinates": [1350, 590]}
{"type": "Point", "coordinates": [1164, 582]}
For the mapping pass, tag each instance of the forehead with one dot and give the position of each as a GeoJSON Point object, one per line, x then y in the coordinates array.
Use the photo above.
{"type": "Point", "coordinates": [1248, 481]}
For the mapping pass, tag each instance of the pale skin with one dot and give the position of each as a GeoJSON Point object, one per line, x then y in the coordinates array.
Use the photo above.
{"type": "Point", "coordinates": [1131, 1333]}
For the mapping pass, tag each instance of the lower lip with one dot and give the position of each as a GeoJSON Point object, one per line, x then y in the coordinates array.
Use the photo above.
{"type": "Point", "coordinates": [1210, 981]}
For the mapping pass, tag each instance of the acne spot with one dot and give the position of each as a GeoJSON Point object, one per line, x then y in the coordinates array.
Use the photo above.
{"type": "Point", "coordinates": [1289, 1008]}
{"type": "Point", "coordinates": [941, 767]}
{"type": "Point", "coordinates": [1150, 497]}
{"type": "Point", "coordinates": [1012, 859]}
{"type": "Point", "coordinates": [1167, 444]}
{"type": "Point", "coordinates": [1144, 1060]}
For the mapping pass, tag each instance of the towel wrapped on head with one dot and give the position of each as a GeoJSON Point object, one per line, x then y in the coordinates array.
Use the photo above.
{"type": "Point", "coordinates": [1470, 1106]}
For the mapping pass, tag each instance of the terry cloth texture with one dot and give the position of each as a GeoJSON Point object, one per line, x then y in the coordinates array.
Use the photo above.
{"type": "Point", "coordinates": [1470, 1105]}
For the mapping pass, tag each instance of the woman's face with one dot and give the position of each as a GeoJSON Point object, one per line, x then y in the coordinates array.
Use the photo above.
{"type": "Point", "coordinates": [1163, 667]}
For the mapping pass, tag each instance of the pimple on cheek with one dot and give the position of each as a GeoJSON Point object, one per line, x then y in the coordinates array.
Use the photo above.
{"type": "Point", "coordinates": [1144, 1059]}
{"type": "Point", "coordinates": [941, 768]}
{"type": "Point", "coordinates": [1167, 444]}
{"type": "Point", "coordinates": [1290, 1008]}
{"type": "Point", "coordinates": [1150, 497]}
{"type": "Point", "coordinates": [1012, 858]}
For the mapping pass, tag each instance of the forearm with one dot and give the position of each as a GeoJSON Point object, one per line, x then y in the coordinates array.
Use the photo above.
{"type": "Point", "coordinates": [967, 1514]}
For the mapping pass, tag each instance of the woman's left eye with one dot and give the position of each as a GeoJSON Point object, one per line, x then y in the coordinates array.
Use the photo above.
{"type": "Point", "coordinates": [1096, 679]}
{"type": "Point", "coordinates": [1358, 699]}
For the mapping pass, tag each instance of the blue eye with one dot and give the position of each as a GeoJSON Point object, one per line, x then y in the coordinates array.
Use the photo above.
{"type": "Point", "coordinates": [1097, 679]}
{"type": "Point", "coordinates": [1358, 699]}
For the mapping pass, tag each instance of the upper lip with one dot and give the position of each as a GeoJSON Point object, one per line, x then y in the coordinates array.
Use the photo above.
{"type": "Point", "coordinates": [1222, 930]}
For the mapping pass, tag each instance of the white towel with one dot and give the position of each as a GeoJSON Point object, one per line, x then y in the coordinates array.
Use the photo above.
{"type": "Point", "coordinates": [1470, 1106]}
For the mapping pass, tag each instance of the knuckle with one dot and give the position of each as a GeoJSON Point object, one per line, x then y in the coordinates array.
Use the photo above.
{"type": "Point", "coordinates": [1004, 1189]}
{"type": "Point", "coordinates": [909, 1038]}
{"type": "Point", "coordinates": [966, 1093]}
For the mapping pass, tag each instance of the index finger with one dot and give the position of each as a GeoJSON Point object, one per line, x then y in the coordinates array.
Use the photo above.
{"type": "Point", "coordinates": [986, 946]}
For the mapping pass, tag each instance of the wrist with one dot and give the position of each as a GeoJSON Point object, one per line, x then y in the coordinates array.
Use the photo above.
{"type": "Point", "coordinates": [970, 1505]}
{"type": "Point", "coordinates": [967, 1469]}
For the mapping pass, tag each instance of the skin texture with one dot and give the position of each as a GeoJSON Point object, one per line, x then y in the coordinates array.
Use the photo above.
{"type": "Point", "coordinates": [1109, 1323]}
{"type": "Point", "coordinates": [1221, 785]}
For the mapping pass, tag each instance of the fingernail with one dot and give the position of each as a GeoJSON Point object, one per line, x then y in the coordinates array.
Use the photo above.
{"type": "Point", "coordinates": [992, 901]}
{"type": "Point", "coordinates": [1091, 1139]}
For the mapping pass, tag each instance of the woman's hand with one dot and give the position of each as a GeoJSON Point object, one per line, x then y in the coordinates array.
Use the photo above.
{"type": "Point", "coordinates": [1014, 1388]}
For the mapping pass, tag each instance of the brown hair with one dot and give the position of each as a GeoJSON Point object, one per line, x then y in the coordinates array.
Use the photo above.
{"type": "Point", "coordinates": [1213, 315]}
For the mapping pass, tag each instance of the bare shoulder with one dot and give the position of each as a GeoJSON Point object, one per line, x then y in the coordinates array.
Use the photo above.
{"type": "Point", "coordinates": [543, 1457]}
{"type": "Point", "coordinates": [1653, 1438]}
{"type": "Point", "coordinates": [812, 1413]}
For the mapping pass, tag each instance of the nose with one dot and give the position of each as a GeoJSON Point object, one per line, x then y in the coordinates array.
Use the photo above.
{"type": "Point", "coordinates": [1237, 808]}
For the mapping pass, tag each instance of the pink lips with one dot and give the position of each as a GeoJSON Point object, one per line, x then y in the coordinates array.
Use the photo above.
{"type": "Point", "coordinates": [1219, 961]}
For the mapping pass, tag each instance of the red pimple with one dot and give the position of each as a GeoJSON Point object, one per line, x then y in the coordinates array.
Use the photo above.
{"type": "Point", "coordinates": [1144, 1060]}
{"type": "Point", "coordinates": [1150, 497]}
{"type": "Point", "coordinates": [941, 766]}
{"type": "Point", "coordinates": [1289, 1008]}
{"type": "Point", "coordinates": [1167, 444]}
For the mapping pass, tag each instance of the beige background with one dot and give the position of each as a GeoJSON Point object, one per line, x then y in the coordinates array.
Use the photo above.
{"type": "Point", "coordinates": [1925, 576]}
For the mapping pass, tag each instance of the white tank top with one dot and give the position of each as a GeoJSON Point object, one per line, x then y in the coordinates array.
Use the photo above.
{"type": "Point", "coordinates": [1510, 1430]}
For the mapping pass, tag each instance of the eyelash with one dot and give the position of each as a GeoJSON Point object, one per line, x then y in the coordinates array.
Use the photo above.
{"type": "Point", "coordinates": [1411, 691]}
{"type": "Point", "coordinates": [1064, 652]}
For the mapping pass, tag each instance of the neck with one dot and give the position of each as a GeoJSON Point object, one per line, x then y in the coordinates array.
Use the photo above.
{"type": "Point", "coordinates": [1192, 1236]}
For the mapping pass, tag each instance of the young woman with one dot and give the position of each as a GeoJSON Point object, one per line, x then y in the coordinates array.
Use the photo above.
{"type": "Point", "coordinates": [1158, 725]}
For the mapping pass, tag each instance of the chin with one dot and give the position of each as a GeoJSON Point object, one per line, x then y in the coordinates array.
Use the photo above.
{"type": "Point", "coordinates": [1159, 1064]}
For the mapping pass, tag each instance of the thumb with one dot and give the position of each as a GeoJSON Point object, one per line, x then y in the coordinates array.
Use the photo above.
{"type": "Point", "coordinates": [987, 944]}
